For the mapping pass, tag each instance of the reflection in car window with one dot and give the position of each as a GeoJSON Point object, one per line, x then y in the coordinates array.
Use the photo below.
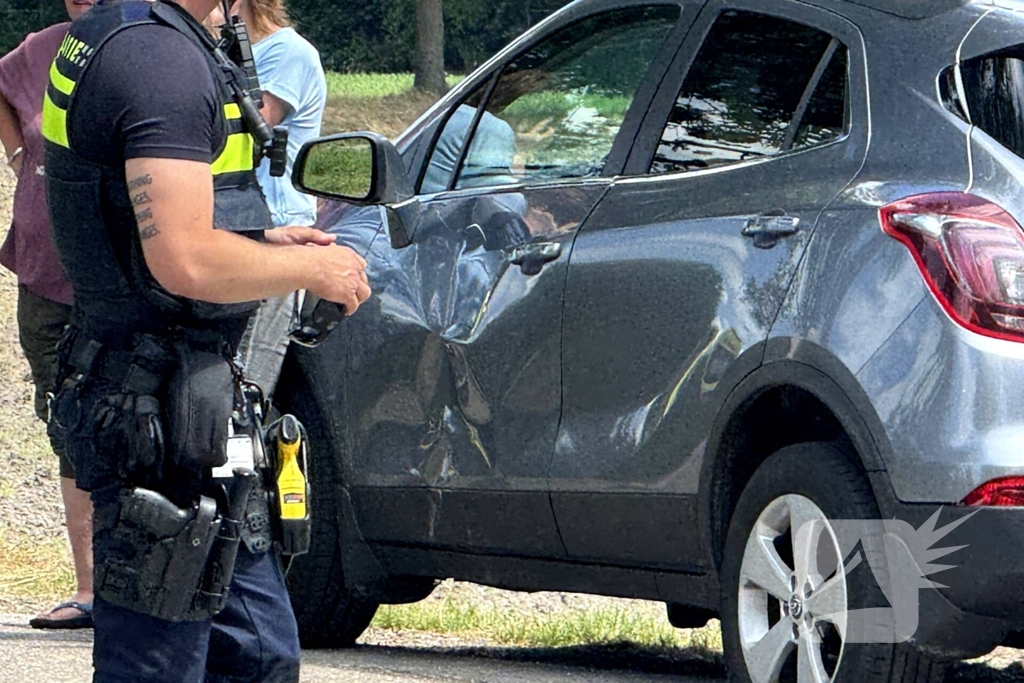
{"type": "Point", "coordinates": [556, 110]}
{"type": "Point", "coordinates": [827, 111]}
{"type": "Point", "coordinates": [752, 76]}
{"type": "Point", "coordinates": [445, 156]}
{"type": "Point", "coordinates": [993, 86]}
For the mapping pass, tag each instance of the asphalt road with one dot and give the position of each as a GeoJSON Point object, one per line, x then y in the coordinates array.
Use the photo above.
{"type": "Point", "coordinates": [64, 656]}
{"type": "Point", "coordinates": [34, 656]}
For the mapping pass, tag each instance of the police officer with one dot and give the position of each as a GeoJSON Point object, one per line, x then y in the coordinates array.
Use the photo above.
{"type": "Point", "coordinates": [167, 241]}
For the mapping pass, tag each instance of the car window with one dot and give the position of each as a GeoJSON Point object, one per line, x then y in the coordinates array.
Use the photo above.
{"type": "Point", "coordinates": [556, 110]}
{"type": "Point", "coordinates": [445, 157]}
{"type": "Point", "coordinates": [827, 116]}
{"type": "Point", "coordinates": [993, 91]}
{"type": "Point", "coordinates": [759, 86]}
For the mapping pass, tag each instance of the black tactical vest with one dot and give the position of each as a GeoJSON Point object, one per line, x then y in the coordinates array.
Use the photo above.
{"type": "Point", "coordinates": [94, 225]}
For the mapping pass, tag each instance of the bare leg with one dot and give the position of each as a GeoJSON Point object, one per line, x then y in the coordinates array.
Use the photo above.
{"type": "Point", "coordinates": [78, 514]}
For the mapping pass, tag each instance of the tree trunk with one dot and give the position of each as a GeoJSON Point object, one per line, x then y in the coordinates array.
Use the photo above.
{"type": "Point", "coordinates": [430, 47]}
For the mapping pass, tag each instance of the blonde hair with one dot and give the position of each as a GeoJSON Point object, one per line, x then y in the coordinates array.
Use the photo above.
{"type": "Point", "coordinates": [268, 15]}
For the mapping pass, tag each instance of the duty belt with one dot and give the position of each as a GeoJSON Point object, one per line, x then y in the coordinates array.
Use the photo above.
{"type": "Point", "coordinates": [121, 366]}
{"type": "Point", "coordinates": [143, 370]}
{"type": "Point", "coordinates": [95, 361]}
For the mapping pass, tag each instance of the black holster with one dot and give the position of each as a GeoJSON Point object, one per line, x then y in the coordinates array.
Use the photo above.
{"type": "Point", "coordinates": [220, 568]}
{"type": "Point", "coordinates": [152, 554]}
{"type": "Point", "coordinates": [293, 534]}
{"type": "Point", "coordinates": [171, 563]}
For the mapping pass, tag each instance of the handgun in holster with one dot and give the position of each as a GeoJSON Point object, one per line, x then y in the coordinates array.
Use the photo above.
{"type": "Point", "coordinates": [287, 446]}
{"type": "Point", "coordinates": [170, 562]}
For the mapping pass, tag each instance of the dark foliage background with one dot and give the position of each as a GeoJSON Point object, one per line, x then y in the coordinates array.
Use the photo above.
{"type": "Point", "coordinates": [19, 17]}
{"type": "Point", "coordinates": [355, 35]}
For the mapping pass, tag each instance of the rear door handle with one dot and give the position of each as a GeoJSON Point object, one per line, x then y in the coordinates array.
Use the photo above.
{"type": "Point", "coordinates": [531, 258]}
{"type": "Point", "coordinates": [768, 228]}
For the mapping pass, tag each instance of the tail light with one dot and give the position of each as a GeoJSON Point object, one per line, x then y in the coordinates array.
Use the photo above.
{"type": "Point", "coordinates": [1008, 492]}
{"type": "Point", "coordinates": [971, 254]}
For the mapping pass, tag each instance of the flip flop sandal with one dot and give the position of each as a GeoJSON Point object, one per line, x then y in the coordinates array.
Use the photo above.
{"type": "Point", "coordinates": [83, 620]}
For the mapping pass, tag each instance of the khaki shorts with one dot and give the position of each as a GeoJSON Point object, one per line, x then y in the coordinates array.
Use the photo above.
{"type": "Point", "coordinates": [41, 324]}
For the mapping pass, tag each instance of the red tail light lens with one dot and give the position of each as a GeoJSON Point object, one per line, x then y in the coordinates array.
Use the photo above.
{"type": "Point", "coordinates": [971, 253]}
{"type": "Point", "coordinates": [1008, 492]}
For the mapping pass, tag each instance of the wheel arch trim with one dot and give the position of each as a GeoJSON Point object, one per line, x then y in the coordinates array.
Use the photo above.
{"type": "Point", "coordinates": [812, 369]}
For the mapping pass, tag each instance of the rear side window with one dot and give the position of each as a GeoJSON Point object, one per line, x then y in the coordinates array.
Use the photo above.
{"type": "Point", "coordinates": [993, 88]}
{"type": "Point", "coordinates": [759, 86]}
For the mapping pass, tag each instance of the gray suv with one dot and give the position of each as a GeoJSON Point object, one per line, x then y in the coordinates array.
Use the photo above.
{"type": "Point", "coordinates": [678, 300]}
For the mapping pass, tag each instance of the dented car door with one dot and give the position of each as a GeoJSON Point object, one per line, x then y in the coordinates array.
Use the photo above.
{"type": "Point", "coordinates": [455, 370]}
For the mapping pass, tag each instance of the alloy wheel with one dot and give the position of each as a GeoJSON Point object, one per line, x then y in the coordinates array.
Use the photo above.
{"type": "Point", "coordinates": [793, 595]}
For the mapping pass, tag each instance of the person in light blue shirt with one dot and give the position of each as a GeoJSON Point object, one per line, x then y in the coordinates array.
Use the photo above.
{"type": "Point", "coordinates": [294, 85]}
{"type": "Point", "coordinates": [489, 162]}
{"type": "Point", "coordinates": [294, 96]}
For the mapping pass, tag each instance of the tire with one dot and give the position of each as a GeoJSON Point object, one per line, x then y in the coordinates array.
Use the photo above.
{"type": "Point", "coordinates": [814, 483]}
{"type": "Point", "coordinates": [328, 614]}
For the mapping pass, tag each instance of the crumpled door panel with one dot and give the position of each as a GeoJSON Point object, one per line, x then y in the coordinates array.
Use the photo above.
{"type": "Point", "coordinates": [455, 361]}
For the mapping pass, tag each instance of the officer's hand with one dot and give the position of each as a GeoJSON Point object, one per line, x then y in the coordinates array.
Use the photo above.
{"type": "Point", "coordinates": [297, 234]}
{"type": "Point", "coordinates": [342, 277]}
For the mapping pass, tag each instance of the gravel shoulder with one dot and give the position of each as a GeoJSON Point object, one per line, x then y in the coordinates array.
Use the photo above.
{"type": "Point", "coordinates": [404, 657]}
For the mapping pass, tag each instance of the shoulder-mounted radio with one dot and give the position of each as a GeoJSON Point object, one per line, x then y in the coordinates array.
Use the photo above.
{"type": "Point", "coordinates": [233, 55]}
{"type": "Point", "coordinates": [235, 48]}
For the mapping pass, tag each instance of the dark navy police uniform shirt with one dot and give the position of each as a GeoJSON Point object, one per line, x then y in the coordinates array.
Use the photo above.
{"type": "Point", "coordinates": [177, 118]}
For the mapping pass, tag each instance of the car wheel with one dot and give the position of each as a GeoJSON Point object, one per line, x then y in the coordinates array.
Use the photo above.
{"type": "Point", "coordinates": [329, 615]}
{"type": "Point", "coordinates": [785, 599]}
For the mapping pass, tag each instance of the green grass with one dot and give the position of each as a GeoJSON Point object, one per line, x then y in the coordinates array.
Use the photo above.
{"type": "Point", "coordinates": [383, 103]}
{"type": "Point", "coordinates": [564, 629]}
{"type": "Point", "coordinates": [341, 167]}
{"type": "Point", "coordinates": [372, 86]}
{"type": "Point", "coordinates": [528, 110]}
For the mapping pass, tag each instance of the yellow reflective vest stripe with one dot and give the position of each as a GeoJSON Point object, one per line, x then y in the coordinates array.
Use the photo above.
{"type": "Point", "coordinates": [55, 123]}
{"type": "Point", "coordinates": [59, 81]}
{"type": "Point", "coordinates": [236, 157]}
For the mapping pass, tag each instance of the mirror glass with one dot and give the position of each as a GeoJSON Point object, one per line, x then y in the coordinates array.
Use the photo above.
{"type": "Point", "coordinates": [340, 168]}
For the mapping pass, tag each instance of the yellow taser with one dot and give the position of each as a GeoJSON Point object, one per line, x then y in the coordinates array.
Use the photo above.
{"type": "Point", "coordinates": [292, 486]}
{"type": "Point", "coordinates": [291, 481]}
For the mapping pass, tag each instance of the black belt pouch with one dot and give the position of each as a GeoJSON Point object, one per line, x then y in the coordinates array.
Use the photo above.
{"type": "Point", "coordinates": [200, 402]}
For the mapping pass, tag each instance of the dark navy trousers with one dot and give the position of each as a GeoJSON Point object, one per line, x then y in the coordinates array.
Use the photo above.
{"type": "Point", "coordinates": [254, 640]}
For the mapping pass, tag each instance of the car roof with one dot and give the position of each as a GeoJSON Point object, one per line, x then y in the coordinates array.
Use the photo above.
{"type": "Point", "coordinates": [912, 9]}
{"type": "Point", "coordinates": [907, 9]}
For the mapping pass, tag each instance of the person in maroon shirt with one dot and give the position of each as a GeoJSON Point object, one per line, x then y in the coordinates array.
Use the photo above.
{"type": "Point", "coordinates": [44, 293]}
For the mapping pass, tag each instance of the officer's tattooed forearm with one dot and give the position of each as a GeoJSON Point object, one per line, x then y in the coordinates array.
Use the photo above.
{"type": "Point", "coordinates": [140, 197]}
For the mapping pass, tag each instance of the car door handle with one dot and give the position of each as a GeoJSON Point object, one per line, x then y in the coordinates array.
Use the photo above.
{"type": "Point", "coordinates": [768, 228]}
{"type": "Point", "coordinates": [531, 258]}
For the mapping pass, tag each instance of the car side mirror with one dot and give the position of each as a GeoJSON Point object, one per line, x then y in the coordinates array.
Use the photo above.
{"type": "Point", "coordinates": [364, 169]}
